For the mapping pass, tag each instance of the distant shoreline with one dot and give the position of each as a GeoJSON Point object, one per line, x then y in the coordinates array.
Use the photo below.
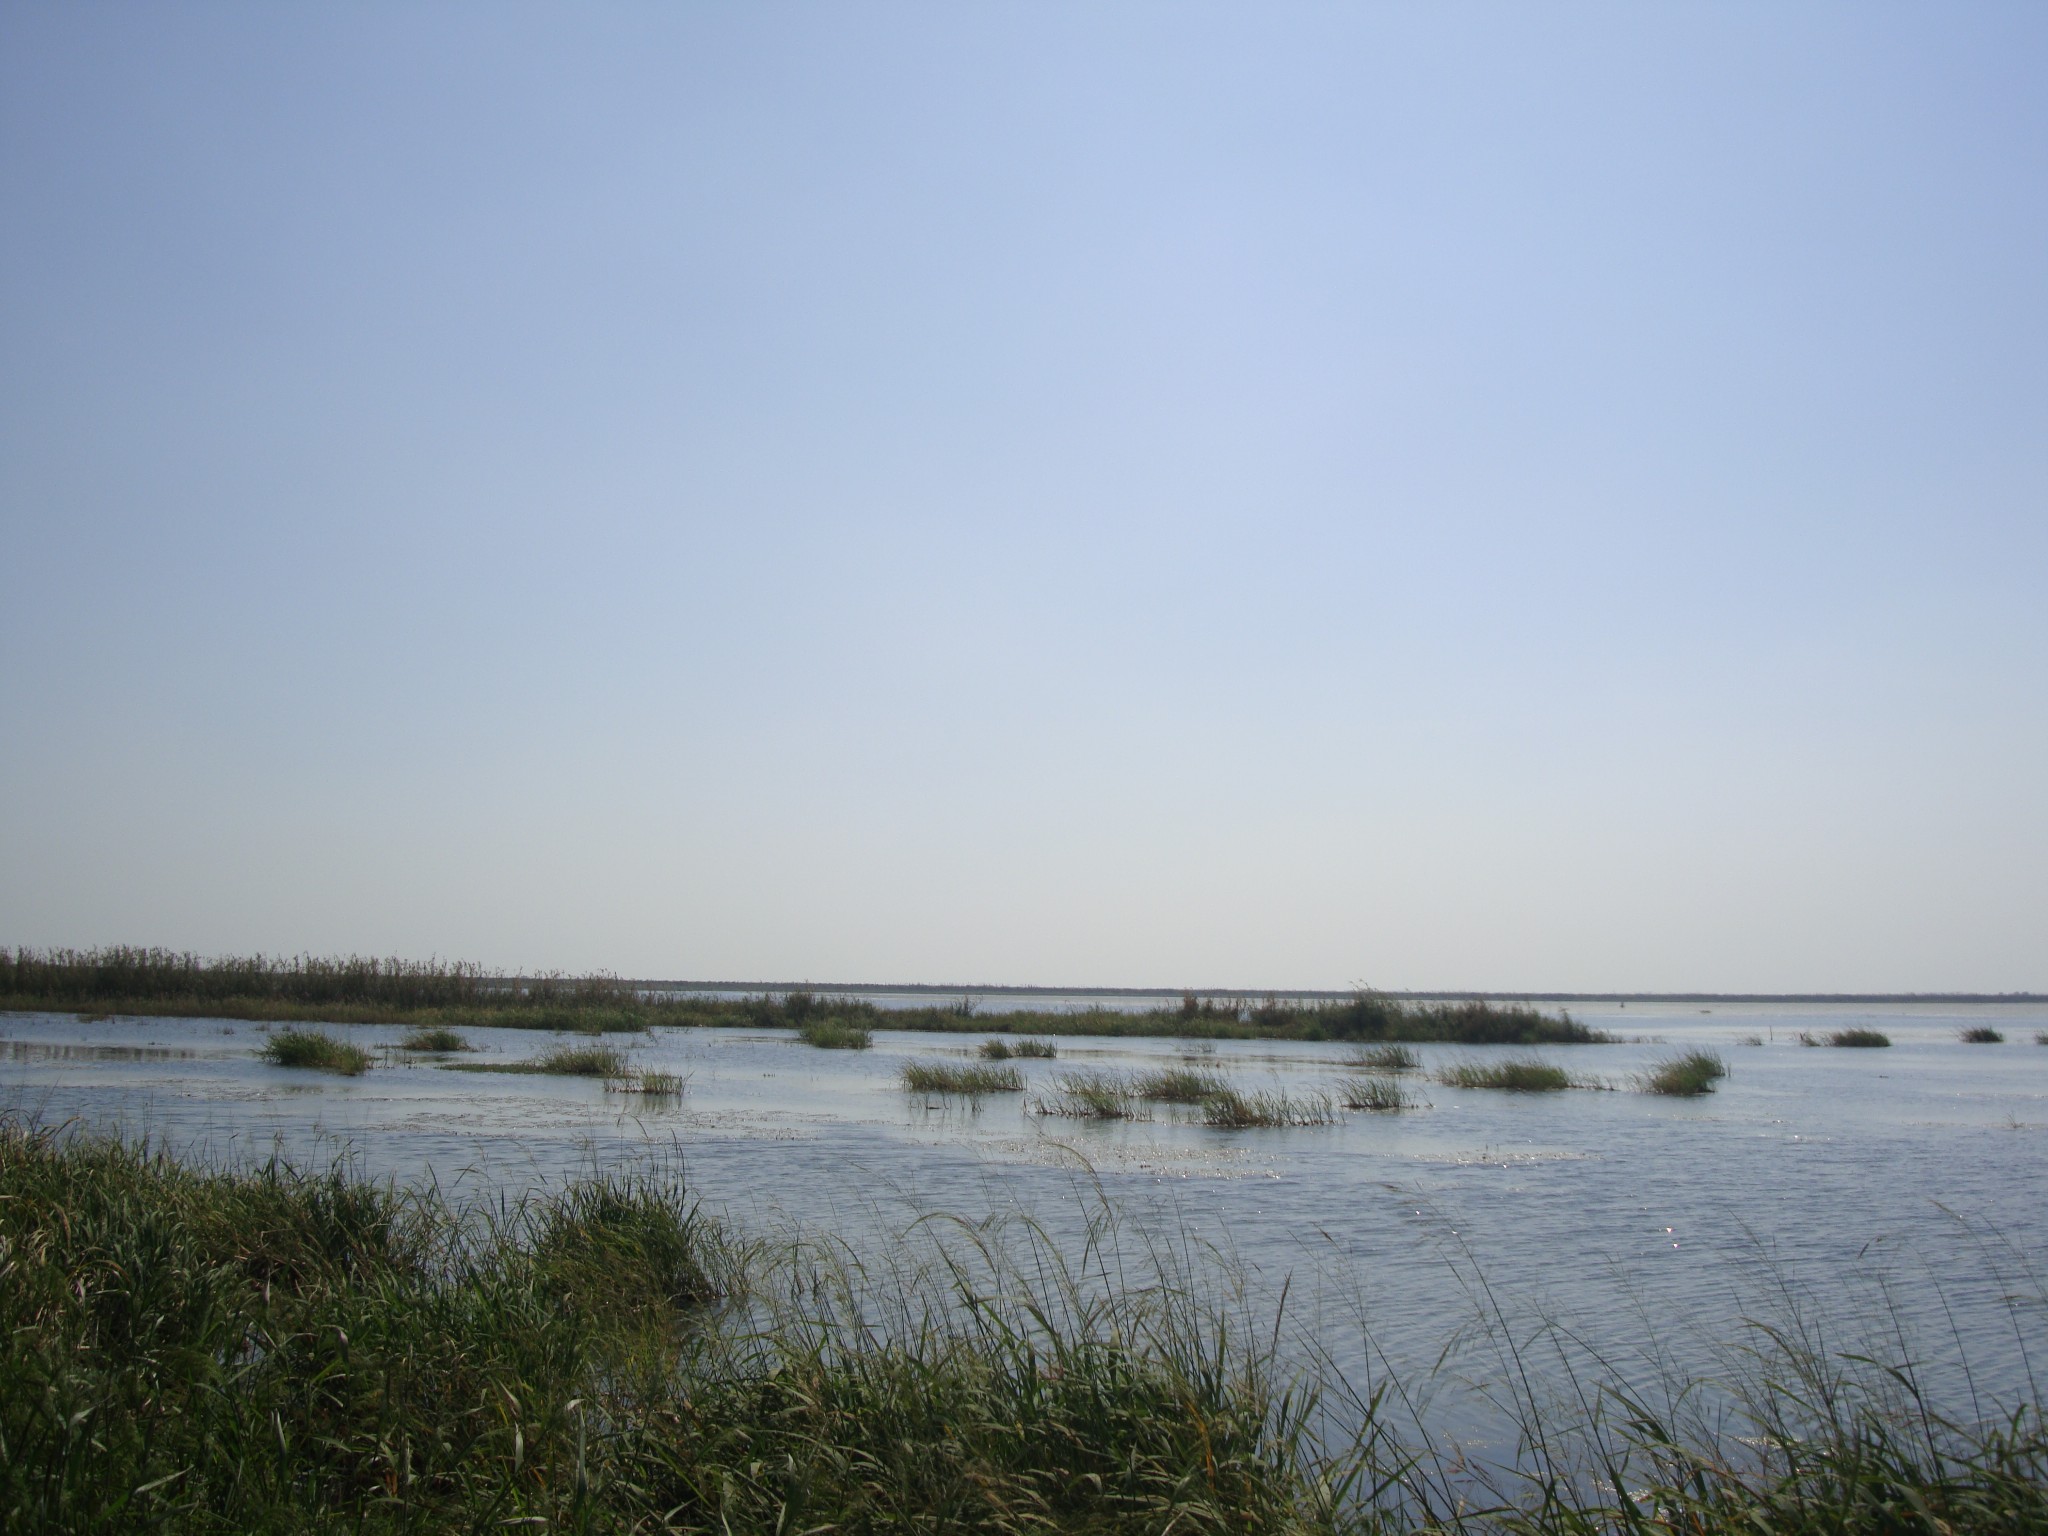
{"type": "Point", "coordinates": [958, 989]}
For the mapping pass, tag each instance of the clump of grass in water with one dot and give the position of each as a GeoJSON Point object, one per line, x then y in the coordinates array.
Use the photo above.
{"type": "Point", "coordinates": [835, 1035]}
{"type": "Point", "coordinates": [435, 1038]}
{"type": "Point", "coordinates": [1233, 1110]}
{"type": "Point", "coordinates": [310, 1048]}
{"type": "Point", "coordinates": [2041, 1037]}
{"type": "Point", "coordinates": [1982, 1034]}
{"type": "Point", "coordinates": [996, 1050]}
{"type": "Point", "coordinates": [1181, 1085]}
{"type": "Point", "coordinates": [1685, 1076]}
{"type": "Point", "coordinates": [1526, 1076]}
{"type": "Point", "coordinates": [1386, 1058]}
{"type": "Point", "coordinates": [651, 1083]}
{"type": "Point", "coordinates": [1092, 1096]}
{"type": "Point", "coordinates": [1375, 1093]}
{"type": "Point", "coordinates": [1043, 1050]}
{"type": "Point", "coordinates": [1865, 1039]}
{"type": "Point", "coordinates": [968, 1079]}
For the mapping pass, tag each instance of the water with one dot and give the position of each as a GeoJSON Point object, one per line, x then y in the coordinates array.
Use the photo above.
{"type": "Point", "coordinates": [1896, 1189]}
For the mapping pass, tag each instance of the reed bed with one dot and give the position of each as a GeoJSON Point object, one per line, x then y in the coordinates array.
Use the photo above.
{"type": "Point", "coordinates": [1521, 1076]}
{"type": "Point", "coordinates": [1180, 1085]}
{"type": "Point", "coordinates": [319, 1052]}
{"type": "Point", "coordinates": [1381, 1094]}
{"type": "Point", "coordinates": [1850, 1039]}
{"type": "Point", "coordinates": [356, 989]}
{"type": "Point", "coordinates": [1234, 1109]}
{"type": "Point", "coordinates": [1686, 1076]}
{"type": "Point", "coordinates": [835, 1035]}
{"type": "Point", "coordinates": [1092, 1096]}
{"type": "Point", "coordinates": [958, 1079]}
{"type": "Point", "coordinates": [271, 1350]}
{"type": "Point", "coordinates": [1382, 1059]}
{"type": "Point", "coordinates": [1982, 1034]}
{"type": "Point", "coordinates": [436, 1039]}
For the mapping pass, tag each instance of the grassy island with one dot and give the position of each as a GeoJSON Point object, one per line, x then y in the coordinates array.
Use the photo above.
{"type": "Point", "coordinates": [439, 995]}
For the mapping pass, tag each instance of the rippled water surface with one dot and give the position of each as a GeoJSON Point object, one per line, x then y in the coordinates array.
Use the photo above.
{"type": "Point", "coordinates": [1906, 1186]}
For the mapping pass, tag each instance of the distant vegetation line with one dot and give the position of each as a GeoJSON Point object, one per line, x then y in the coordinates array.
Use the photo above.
{"type": "Point", "coordinates": [358, 989]}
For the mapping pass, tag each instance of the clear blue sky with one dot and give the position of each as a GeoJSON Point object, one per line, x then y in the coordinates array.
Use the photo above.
{"type": "Point", "coordinates": [1493, 495]}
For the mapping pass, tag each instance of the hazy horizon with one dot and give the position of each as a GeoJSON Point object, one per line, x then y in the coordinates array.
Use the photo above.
{"type": "Point", "coordinates": [1541, 499]}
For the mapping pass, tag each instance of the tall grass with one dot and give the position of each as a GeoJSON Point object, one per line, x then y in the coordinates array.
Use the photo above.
{"type": "Point", "coordinates": [1981, 1034]}
{"type": "Point", "coordinates": [1383, 1094]}
{"type": "Point", "coordinates": [966, 1079]}
{"type": "Point", "coordinates": [1525, 1076]}
{"type": "Point", "coordinates": [1855, 1039]}
{"type": "Point", "coordinates": [1686, 1076]}
{"type": "Point", "coordinates": [1180, 1085]}
{"type": "Point", "coordinates": [312, 1049]}
{"type": "Point", "coordinates": [1385, 1058]}
{"type": "Point", "coordinates": [1092, 1096]}
{"type": "Point", "coordinates": [999, 1049]}
{"type": "Point", "coordinates": [557, 1061]}
{"type": "Point", "coordinates": [835, 1035]}
{"type": "Point", "coordinates": [1234, 1109]}
{"type": "Point", "coordinates": [435, 1038]}
{"type": "Point", "coordinates": [271, 1350]}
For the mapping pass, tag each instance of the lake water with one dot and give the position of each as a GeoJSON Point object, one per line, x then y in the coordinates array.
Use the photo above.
{"type": "Point", "coordinates": [1900, 1191]}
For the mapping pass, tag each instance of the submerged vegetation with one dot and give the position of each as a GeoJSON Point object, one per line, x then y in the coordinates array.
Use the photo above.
{"type": "Point", "coordinates": [267, 1350]}
{"type": "Point", "coordinates": [1686, 1076]}
{"type": "Point", "coordinates": [358, 989]}
{"type": "Point", "coordinates": [1520, 1076]}
{"type": "Point", "coordinates": [968, 1079]}
{"type": "Point", "coordinates": [320, 1052]}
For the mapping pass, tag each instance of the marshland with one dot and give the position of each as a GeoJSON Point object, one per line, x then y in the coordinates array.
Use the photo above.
{"type": "Point", "coordinates": [1501, 1271]}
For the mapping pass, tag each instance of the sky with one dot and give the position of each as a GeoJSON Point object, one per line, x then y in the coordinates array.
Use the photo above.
{"type": "Point", "coordinates": [1464, 495]}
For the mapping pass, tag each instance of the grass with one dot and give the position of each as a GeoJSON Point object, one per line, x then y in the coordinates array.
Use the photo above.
{"type": "Point", "coordinates": [1982, 1034]}
{"type": "Point", "coordinates": [1092, 1096]}
{"type": "Point", "coordinates": [1385, 1058]}
{"type": "Point", "coordinates": [968, 1079]}
{"type": "Point", "coordinates": [648, 1082]}
{"type": "Point", "coordinates": [1003, 1050]}
{"type": "Point", "coordinates": [1686, 1076]}
{"type": "Point", "coordinates": [436, 1038]}
{"type": "Point", "coordinates": [2041, 1037]}
{"type": "Point", "coordinates": [321, 1053]}
{"type": "Point", "coordinates": [835, 1035]}
{"type": "Point", "coordinates": [1235, 1110]}
{"type": "Point", "coordinates": [1180, 1085]}
{"type": "Point", "coordinates": [1524, 1076]}
{"type": "Point", "coordinates": [557, 1061]}
{"type": "Point", "coordinates": [270, 1350]}
{"type": "Point", "coordinates": [145, 982]}
{"type": "Point", "coordinates": [1854, 1039]}
{"type": "Point", "coordinates": [1375, 1093]}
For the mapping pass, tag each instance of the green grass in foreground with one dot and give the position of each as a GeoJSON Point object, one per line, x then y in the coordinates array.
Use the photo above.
{"type": "Point", "coordinates": [1686, 1076]}
{"type": "Point", "coordinates": [320, 1052]}
{"type": "Point", "coordinates": [967, 1079]}
{"type": "Point", "coordinates": [271, 1351]}
{"type": "Point", "coordinates": [1507, 1076]}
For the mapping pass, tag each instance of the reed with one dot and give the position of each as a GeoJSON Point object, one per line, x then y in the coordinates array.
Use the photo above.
{"type": "Point", "coordinates": [1383, 1094]}
{"type": "Point", "coordinates": [437, 1039]}
{"type": "Point", "coordinates": [1982, 1034]}
{"type": "Point", "coordinates": [320, 1052]}
{"type": "Point", "coordinates": [1686, 1076]}
{"type": "Point", "coordinates": [835, 1035]}
{"type": "Point", "coordinates": [1859, 1039]}
{"type": "Point", "coordinates": [1180, 1085]}
{"type": "Point", "coordinates": [969, 1079]}
{"type": "Point", "coordinates": [995, 1050]}
{"type": "Point", "coordinates": [649, 1083]}
{"type": "Point", "coordinates": [1042, 1050]}
{"type": "Point", "coordinates": [1092, 1096]}
{"type": "Point", "coordinates": [1524, 1076]}
{"type": "Point", "coordinates": [1234, 1110]}
{"type": "Point", "coordinates": [1383, 1059]}
{"type": "Point", "coordinates": [273, 1350]}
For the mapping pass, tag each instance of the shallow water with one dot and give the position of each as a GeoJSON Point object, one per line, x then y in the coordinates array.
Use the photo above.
{"type": "Point", "coordinates": [1895, 1189]}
